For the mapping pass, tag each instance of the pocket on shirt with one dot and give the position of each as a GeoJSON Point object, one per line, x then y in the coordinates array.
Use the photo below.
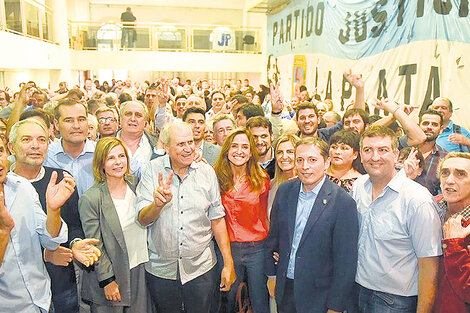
{"type": "Point", "coordinates": [383, 229]}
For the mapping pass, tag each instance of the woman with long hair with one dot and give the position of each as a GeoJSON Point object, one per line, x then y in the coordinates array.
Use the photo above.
{"type": "Point", "coordinates": [284, 152]}
{"type": "Point", "coordinates": [244, 187]}
{"type": "Point", "coordinates": [117, 281]}
{"type": "Point", "coordinates": [344, 166]}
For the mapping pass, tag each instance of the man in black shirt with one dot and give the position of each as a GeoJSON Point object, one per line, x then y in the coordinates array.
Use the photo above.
{"type": "Point", "coordinates": [128, 32]}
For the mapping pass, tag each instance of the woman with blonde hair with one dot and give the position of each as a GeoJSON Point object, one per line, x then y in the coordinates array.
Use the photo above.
{"type": "Point", "coordinates": [117, 281]}
{"type": "Point", "coordinates": [284, 152]}
{"type": "Point", "coordinates": [244, 188]}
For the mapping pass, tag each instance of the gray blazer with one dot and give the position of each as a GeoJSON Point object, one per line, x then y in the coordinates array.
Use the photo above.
{"type": "Point", "coordinates": [100, 220]}
{"type": "Point", "coordinates": [210, 152]}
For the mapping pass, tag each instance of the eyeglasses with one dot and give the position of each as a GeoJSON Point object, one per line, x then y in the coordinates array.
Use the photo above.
{"type": "Point", "coordinates": [103, 120]}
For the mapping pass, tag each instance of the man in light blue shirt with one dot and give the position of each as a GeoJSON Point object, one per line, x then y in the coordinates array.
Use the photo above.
{"type": "Point", "coordinates": [73, 152]}
{"type": "Point", "coordinates": [453, 137]}
{"type": "Point", "coordinates": [399, 232]}
{"type": "Point", "coordinates": [24, 228]}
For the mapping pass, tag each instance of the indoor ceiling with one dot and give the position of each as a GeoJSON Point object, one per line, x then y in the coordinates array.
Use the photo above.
{"type": "Point", "coordinates": [253, 6]}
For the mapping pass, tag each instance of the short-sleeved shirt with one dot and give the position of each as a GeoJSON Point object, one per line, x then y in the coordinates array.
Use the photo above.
{"type": "Point", "coordinates": [398, 227]}
{"type": "Point", "coordinates": [446, 144]}
{"type": "Point", "coordinates": [247, 212]}
{"type": "Point", "coordinates": [180, 239]}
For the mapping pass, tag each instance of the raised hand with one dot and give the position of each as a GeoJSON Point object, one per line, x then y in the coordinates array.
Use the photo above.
{"type": "Point", "coordinates": [111, 292]}
{"type": "Point", "coordinates": [276, 99]}
{"type": "Point", "coordinates": [163, 194]}
{"type": "Point", "coordinates": [61, 256]}
{"type": "Point", "coordinates": [58, 194]}
{"type": "Point", "coordinates": [6, 221]}
{"type": "Point", "coordinates": [453, 228]}
{"type": "Point", "coordinates": [411, 164]}
{"type": "Point", "coordinates": [353, 79]}
{"type": "Point", "coordinates": [162, 93]}
{"type": "Point", "coordinates": [384, 104]}
{"type": "Point", "coordinates": [85, 252]}
{"type": "Point", "coordinates": [459, 139]}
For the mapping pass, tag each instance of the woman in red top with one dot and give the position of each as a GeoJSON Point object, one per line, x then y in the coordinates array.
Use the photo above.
{"type": "Point", "coordinates": [244, 187]}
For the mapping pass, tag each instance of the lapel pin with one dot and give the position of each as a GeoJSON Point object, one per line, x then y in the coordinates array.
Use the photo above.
{"type": "Point", "coordinates": [325, 201]}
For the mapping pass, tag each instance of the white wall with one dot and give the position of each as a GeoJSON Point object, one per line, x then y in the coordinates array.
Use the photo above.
{"type": "Point", "coordinates": [102, 12]}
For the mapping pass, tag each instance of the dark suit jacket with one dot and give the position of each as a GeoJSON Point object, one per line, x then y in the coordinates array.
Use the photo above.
{"type": "Point", "coordinates": [326, 259]}
{"type": "Point", "coordinates": [100, 220]}
{"type": "Point", "coordinates": [210, 152]}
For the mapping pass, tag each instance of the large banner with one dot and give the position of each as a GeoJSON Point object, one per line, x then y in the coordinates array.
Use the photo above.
{"type": "Point", "coordinates": [409, 50]}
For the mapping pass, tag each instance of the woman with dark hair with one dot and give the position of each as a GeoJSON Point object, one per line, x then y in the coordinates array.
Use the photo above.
{"type": "Point", "coordinates": [117, 281]}
{"type": "Point", "coordinates": [344, 166]}
{"type": "Point", "coordinates": [244, 188]}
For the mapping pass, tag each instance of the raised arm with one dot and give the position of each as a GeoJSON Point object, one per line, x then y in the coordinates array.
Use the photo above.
{"type": "Point", "coordinates": [414, 133]}
{"type": "Point", "coordinates": [357, 82]}
{"type": "Point", "coordinates": [161, 196]}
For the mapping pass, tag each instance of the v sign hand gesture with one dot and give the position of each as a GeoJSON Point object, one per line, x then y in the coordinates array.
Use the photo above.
{"type": "Point", "coordinates": [162, 195]}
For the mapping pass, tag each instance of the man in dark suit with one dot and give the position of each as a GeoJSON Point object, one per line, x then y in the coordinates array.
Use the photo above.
{"type": "Point", "coordinates": [314, 228]}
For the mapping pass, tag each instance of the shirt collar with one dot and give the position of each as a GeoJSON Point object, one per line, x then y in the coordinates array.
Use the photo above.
{"type": "Point", "coordinates": [465, 212]}
{"type": "Point", "coordinates": [450, 126]}
{"type": "Point", "coordinates": [395, 183]}
{"type": "Point", "coordinates": [315, 189]}
{"type": "Point", "coordinates": [89, 147]}
{"type": "Point", "coordinates": [268, 161]}
{"type": "Point", "coordinates": [40, 175]}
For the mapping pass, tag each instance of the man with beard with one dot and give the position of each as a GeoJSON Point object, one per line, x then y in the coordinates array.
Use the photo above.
{"type": "Point", "coordinates": [261, 129]}
{"type": "Point", "coordinates": [430, 122]}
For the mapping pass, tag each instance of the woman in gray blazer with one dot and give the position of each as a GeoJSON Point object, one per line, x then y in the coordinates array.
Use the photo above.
{"type": "Point", "coordinates": [116, 283]}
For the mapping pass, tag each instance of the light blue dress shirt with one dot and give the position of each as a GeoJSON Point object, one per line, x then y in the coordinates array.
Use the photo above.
{"type": "Point", "coordinates": [444, 142]}
{"type": "Point", "coordinates": [398, 227]}
{"type": "Point", "coordinates": [304, 208]}
{"type": "Point", "coordinates": [180, 239]}
{"type": "Point", "coordinates": [24, 283]}
{"type": "Point", "coordinates": [81, 168]}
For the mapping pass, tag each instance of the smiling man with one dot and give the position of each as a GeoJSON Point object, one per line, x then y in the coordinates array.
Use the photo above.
{"type": "Point", "coordinates": [314, 228]}
{"type": "Point", "coordinates": [399, 236]}
{"type": "Point", "coordinates": [262, 131]}
{"type": "Point", "coordinates": [179, 201]}
{"type": "Point", "coordinates": [73, 152]}
{"type": "Point", "coordinates": [25, 285]}
{"type": "Point", "coordinates": [28, 143]}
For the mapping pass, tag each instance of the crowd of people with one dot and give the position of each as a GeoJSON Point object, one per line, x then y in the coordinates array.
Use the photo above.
{"type": "Point", "coordinates": [171, 196]}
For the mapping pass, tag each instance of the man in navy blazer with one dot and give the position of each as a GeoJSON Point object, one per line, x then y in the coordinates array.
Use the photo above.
{"type": "Point", "coordinates": [314, 228]}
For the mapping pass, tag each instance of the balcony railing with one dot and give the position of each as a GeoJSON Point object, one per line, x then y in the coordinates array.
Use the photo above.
{"type": "Point", "coordinates": [164, 37]}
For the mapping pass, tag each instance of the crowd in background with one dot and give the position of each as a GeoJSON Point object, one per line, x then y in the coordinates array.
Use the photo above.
{"type": "Point", "coordinates": [171, 196]}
